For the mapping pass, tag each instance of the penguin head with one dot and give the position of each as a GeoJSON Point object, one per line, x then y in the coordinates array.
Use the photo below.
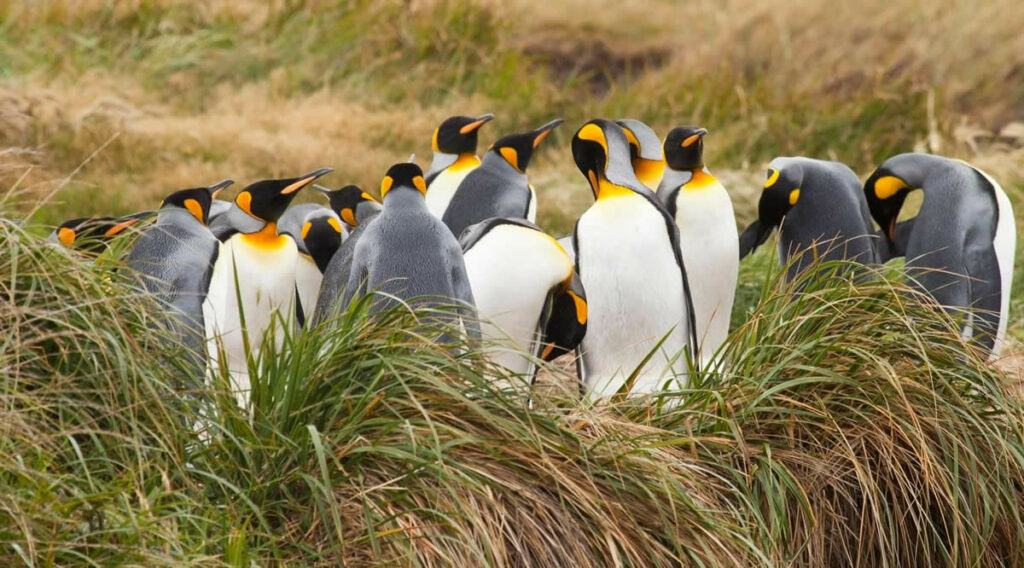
{"type": "Point", "coordinates": [266, 200]}
{"type": "Point", "coordinates": [91, 234]}
{"type": "Point", "coordinates": [601, 152]}
{"type": "Point", "coordinates": [197, 200]}
{"type": "Point", "coordinates": [321, 236]}
{"type": "Point", "coordinates": [517, 149]}
{"type": "Point", "coordinates": [684, 148]}
{"type": "Point", "coordinates": [644, 151]}
{"type": "Point", "coordinates": [407, 176]}
{"type": "Point", "coordinates": [888, 186]}
{"type": "Point", "coordinates": [781, 192]}
{"type": "Point", "coordinates": [351, 203]}
{"type": "Point", "coordinates": [458, 134]}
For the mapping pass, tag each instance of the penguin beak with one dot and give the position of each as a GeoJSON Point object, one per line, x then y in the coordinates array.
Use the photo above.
{"type": "Point", "coordinates": [480, 121]}
{"type": "Point", "coordinates": [217, 187]}
{"type": "Point", "coordinates": [412, 158]}
{"type": "Point", "coordinates": [697, 135]}
{"type": "Point", "coordinates": [543, 131]}
{"type": "Point", "coordinates": [305, 180]}
{"type": "Point", "coordinates": [321, 189]}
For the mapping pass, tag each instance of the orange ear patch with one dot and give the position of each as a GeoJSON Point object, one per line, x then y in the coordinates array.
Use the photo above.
{"type": "Point", "coordinates": [368, 197]}
{"type": "Point", "coordinates": [66, 236]}
{"type": "Point", "coordinates": [334, 224]}
{"type": "Point", "coordinates": [385, 185]}
{"type": "Point", "coordinates": [305, 229]}
{"type": "Point", "coordinates": [420, 183]}
{"type": "Point", "coordinates": [581, 307]}
{"type": "Point", "coordinates": [244, 202]}
{"type": "Point", "coordinates": [511, 156]}
{"type": "Point", "coordinates": [194, 208]}
{"type": "Point", "coordinates": [349, 217]}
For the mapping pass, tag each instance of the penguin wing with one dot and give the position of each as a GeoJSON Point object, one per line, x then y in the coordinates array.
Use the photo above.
{"type": "Point", "coordinates": [474, 233]}
{"type": "Point", "coordinates": [752, 237]}
{"type": "Point", "coordinates": [463, 291]}
{"type": "Point", "coordinates": [984, 285]}
{"type": "Point", "coordinates": [667, 197]}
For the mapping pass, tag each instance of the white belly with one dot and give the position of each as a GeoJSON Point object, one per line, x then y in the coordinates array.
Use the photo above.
{"type": "Point", "coordinates": [531, 212]}
{"type": "Point", "coordinates": [266, 285]}
{"type": "Point", "coordinates": [307, 281]}
{"type": "Point", "coordinates": [441, 191]}
{"type": "Point", "coordinates": [511, 270]}
{"type": "Point", "coordinates": [710, 246]}
{"type": "Point", "coordinates": [1005, 243]}
{"type": "Point", "coordinates": [634, 297]}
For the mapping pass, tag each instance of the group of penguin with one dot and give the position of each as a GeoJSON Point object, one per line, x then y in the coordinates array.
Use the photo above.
{"type": "Point", "coordinates": [640, 292]}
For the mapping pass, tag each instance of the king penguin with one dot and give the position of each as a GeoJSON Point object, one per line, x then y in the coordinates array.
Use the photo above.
{"type": "Point", "coordinates": [820, 212]}
{"type": "Point", "coordinates": [707, 234]}
{"type": "Point", "coordinates": [175, 258]}
{"type": "Point", "coordinates": [253, 279]}
{"type": "Point", "coordinates": [645, 152]}
{"type": "Point", "coordinates": [454, 146]}
{"type": "Point", "coordinates": [499, 188]}
{"type": "Point", "coordinates": [357, 209]}
{"type": "Point", "coordinates": [93, 234]}
{"type": "Point", "coordinates": [961, 246]}
{"type": "Point", "coordinates": [408, 253]}
{"type": "Point", "coordinates": [628, 258]}
{"type": "Point", "coordinates": [317, 232]}
{"type": "Point", "coordinates": [519, 275]}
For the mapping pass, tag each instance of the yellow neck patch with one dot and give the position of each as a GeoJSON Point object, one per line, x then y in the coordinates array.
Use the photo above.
{"type": "Point", "coordinates": [66, 236]}
{"type": "Point", "coordinates": [649, 172]}
{"type": "Point", "coordinates": [266, 239]}
{"type": "Point", "coordinates": [464, 161]}
{"type": "Point", "coordinates": [511, 156]}
{"type": "Point", "coordinates": [700, 180]}
{"type": "Point", "coordinates": [887, 186]}
{"type": "Point", "coordinates": [195, 209]}
{"type": "Point", "coordinates": [609, 190]}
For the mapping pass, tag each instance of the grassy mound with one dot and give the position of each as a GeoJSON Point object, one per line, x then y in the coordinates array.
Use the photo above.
{"type": "Point", "coordinates": [850, 430]}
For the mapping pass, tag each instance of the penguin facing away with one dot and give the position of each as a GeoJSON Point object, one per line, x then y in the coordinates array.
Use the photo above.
{"type": "Point", "coordinates": [819, 209]}
{"type": "Point", "coordinates": [710, 244]}
{"type": "Point", "coordinates": [498, 187]}
{"type": "Point", "coordinates": [360, 208]}
{"type": "Point", "coordinates": [408, 253]}
{"type": "Point", "coordinates": [175, 258]}
{"type": "Point", "coordinates": [628, 259]}
{"type": "Point", "coordinates": [519, 276]}
{"type": "Point", "coordinates": [93, 234]}
{"type": "Point", "coordinates": [454, 146]}
{"type": "Point", "coordinates": [253, 279]}
{"type": "Point", "coordinates": [317, 232]}
{"type": "Point", "coordinates": [645, 152]}
{"type": "Point", "coordinates": [961, 246]}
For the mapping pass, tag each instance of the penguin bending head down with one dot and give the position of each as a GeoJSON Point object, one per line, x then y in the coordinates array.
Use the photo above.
{"type": "Point", "coordinates": [255, 272]}
{"type": "Point", "coordinates": [960, 248]}
{"type": "Point", "coordinates": [454, 146]}
{"type": "Point", "coordinates": [628, 259]}
{"type": "Point", "coordinates": [710, 246]}
{"type": "Point", "coordinates": [93, 234]}
{"type": "Point", "coordinates": [819, 209]}
{"type": "Point", "coordinates": [408, 253]}
{"type": "Point", "coordinates": [317, 232]}
{"type": "Point", "coordinates": [645, 152]}
{"type": "Point", "coordinates": [175, 258]}
{"type": "Point", "coordinates": [499, 187]}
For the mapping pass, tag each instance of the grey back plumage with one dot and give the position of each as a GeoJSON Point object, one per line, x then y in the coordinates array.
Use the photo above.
{"type": "Point", "coordinates": [495, 189]}
{"type": "Point", "coordinates": [336, 275]}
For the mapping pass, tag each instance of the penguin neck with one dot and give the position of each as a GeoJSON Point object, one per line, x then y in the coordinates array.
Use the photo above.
{"type": "Point", "coordinates": [367, 210]}
{"type": "Point", "coordinates": [497, 163]}
{"type": "Point", "coordinates": [607, 189]}
{"type": "Point", "coordinates": [177, 216]}
{"type": "Point", "coordinates": [265, 238]}
{"type": "Point", "coordinates": [404, 199]}
{"type": "Point", "coordinates": [444, 161]}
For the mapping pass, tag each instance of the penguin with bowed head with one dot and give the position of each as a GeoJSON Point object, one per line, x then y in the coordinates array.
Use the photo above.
{"type": "Point", "coordinates": [960, 248]}
{"type": "Point", "coordinates": [93, 234]}
{"type": "Point", "coordinates": [645, 152]}
{"type": "Point", "coordinates": [499, 187]}
{"type": "Point", "coordinates": [454, 146]}
{"type": "Point", "coordinates": [317, 232]}
{"type": "Point", "coordinates": [710, 244]}
{"type": "Point", "coordinates": [253, 279]}
{"type": "Point", "coordinates": [357, 209]}
{"type": "Point", "coordinates": [820, 212]}
{"type": "Point", "coordinates": [629, 261]}
{"type": "Point", "coordinates": [407, 253]}
{"type": "Point", "coordinates": [175, 258]}
{"type": "Point", "coordinates": [526, 291]}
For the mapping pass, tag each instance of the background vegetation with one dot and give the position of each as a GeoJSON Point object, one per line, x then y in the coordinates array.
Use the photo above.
{"type": "Point", "coordinates": [851, 431]}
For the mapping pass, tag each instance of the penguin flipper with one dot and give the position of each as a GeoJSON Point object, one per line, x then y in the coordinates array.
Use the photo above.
{"type": "Point", "coordinates": [985, 295]}
{"type": "Point", "coordinates": [464, 295]}
{"type": "Point", "coordinates": [300, 316]}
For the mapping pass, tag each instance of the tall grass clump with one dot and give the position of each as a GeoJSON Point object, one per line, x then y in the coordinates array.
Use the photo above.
{"type": "Point", "coordinates": [864, 430]}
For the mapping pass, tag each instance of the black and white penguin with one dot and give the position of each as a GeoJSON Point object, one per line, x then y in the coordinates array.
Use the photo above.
{"type": "Point", "coordinates": [254, 278]}
{"type": "Point", "coordinates": [357, 208]}
{"type": "Point", "coordinates": [819, 209]}
{"type": "Point", "coordinates": [707, 234]}
{"type": "Point", "coordinates": [454, 146]}
{"type": "Point", "coordinates": [175, 258]}
{"type": "Point", "coordinates": [93, 234]}
{"type": "Point", "coordinates": [408, 253]}
{"type": "Point", "coordinates": [960, 248]}
{"type": "Point", "coordinates": [628, 258]}
{"type": "Point", "coordinates": [499, 187]}
{"type": "Point", "coordinates": [645, 152]}
{"type": "Point", "coordinates": [526, 293]}
{"type": "Point", "coordinates": [317, 232]}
